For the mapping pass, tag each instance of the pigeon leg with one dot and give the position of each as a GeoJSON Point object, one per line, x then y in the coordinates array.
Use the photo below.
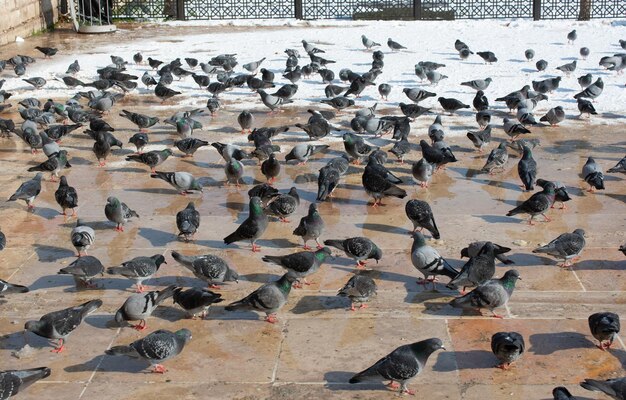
{"type": "Point", "coordinates": [352, 307]}
{"type": "Point", "coordinates": [159, 369]}
{"type": "Point", "coordinates": [494, 315]}
{"type": "Point", "coordinates": [60, 347]}
{"type": "Point", "coordinates": [73, 212]}
{"type": "Point", "coordinates": [283, 219]}
{"type": "Point", "coordinates": [546, 218]}
{"type": "Point", "coordinates": [140, 326]}
{"type": "Point", "coordinates": [361, 264]}
{"type": "Point", "coordinates": [271, 318]}
{"type": "Point", "coordinates": [256, 247]}
{"type": "Point", "coordinates": [152, 170]}
{"type": "Point", "coordinates": [140, 288]}
{"type": "Point", "coordinates": [297, 285]}
{"type": "Point", "coordinates": [504, 366]}
{"type": "Point", "coordinates": [319, 246]}
{"type": "Point", "coordinates": [214, 286]}
{"type": "Point", "coordinates": [363, 305]}
{"type": "Point", "coordinates": [530, 221]}
{"type": "Point", "coordinates": [393, 385]}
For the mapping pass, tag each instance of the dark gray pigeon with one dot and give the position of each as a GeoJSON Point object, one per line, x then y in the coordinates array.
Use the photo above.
{"type": "Point", "coordinates": [478, 269]}
{"type": "Point", "coordinates": [508, 347]}
{"type": "Point", "coordinates": [604, 326]}
{"type": "Point", "coordinates": [196, 301]}
{"type": "Point", "coordinates": [252, 228]}
{"type": "Point", "coordinates": [529, 54]}
{"type": "Point", "coordinates": [118, 212]}
{"type": "Point", "coordinates": [327, 182]}
{"type": "Point", "coordinates": [481, 138]}
{"type": "Point", "coordinates": [451, 105]}
{"type": "Point", "coordinates": [13, 382]}
{"type": "Point", "coordinates": [208, 267]}
{"type": "Point", "coordinates": [190, 145]}
{"type": "Point", "coordinates": [283, 205]}
{"type": "Point", "coordinates": [566, 246]}
{"type": "Point", "coordinates": [538, 203]}
{"type": "Point", "coordinates": [492, 294]}
{"type": "Point", "coordinates": [593, 91]}
{"type": "Point", "coordinates": [269, 298]}
{"type": "Point", "coordinates": [614, 388]}
{"type": "Point", "coordinates": [339, 102]}
{"type": "Point", "coordinates": [488, 56]}
{"type": "Point", "coordinates": [139, 269]}
{"type": "Point", "coordinates": [270, 168]}
{"type": "Point", "coordinates": [561, 393]}
{"type": "Point", "coordinates": [82, 237]}
{"type": "Point", "coordinates": [245, 120]}
{"type": "Point", "coordinates": [422, 217]}
{"type": "Point", "coordinates": [356, 147]}
{"type": "Point", "coordinates": [66, 196]}
{"type": "Point", "coordinates": [585, 107]}
{"type": "Point", "coordinates": [310, 227]}
{"type": "Point", "coordinates": [11, 288]}
{"type": "Point", "coordinates": [541, 65]}
{"type": "Point", "coordinates": [592, 174]}
{"type": "Point", "coordinates": [59, 324]}
{"type": "Point", "coordinates": [84, 269]}
{"type": "Point", "coordinates": [379, 182]}
{"type": "Point", "coordinates": [358, 248]}
{"type": "Point", "coordinates": [527, 169]}
{"type": "Point", "coordinates": [401, 365]}
{"type": "Point", "coordinates": [474, 248]}
{"type": "Point", "coordinates": [619, 167]}
{"type": "Point", "coordinates": [572, 36]}
{"type": "Point", "coordinates": [152, 158]}
{"type": "Point", "coordinates": [400, 149]}
{"type": "Point", "coordinates": [188, 221]}
{"type": "Point", "coordinates": [301, 264]}
{"type": "Point", "coordinates": [138, 307]}
{"type": "Point", "coordinates": [143, 122]}
{"type": "Point", "coordinates": [358, 289]}
{"type": "Point", "coordinates": [157, 347]}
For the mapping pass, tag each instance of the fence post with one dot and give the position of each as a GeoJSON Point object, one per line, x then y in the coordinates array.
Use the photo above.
{"type": "Point", "coordinates": [536, 10]}
{"type": "Point", "coordinates": [298, 9]}
{"type": "Point", "coordinates": [180, 10]}
{"type": "Point", "coordinates": [417, 9]}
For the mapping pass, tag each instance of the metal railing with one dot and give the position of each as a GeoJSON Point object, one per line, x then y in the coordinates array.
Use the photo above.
{"type": "Point", "coordinates": [91, 16]}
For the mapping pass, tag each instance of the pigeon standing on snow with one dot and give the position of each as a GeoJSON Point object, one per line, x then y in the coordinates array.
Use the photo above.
{"type": "Point", "coordinates": [451, 105]}
{"type": "Point", "coordinates": [118, 212]}
{"type": "Point", "coordinates": [138, 307]}
{"type": "Point", "coordinates": [592, 174]}
{"type": "Point", "coordinates": [272, 102]}
{"type": "Point", "coordinates": [368, 43]}
{"type": "Point", "coordinates": [188, 221]}
{"type": "Point", "coordinates": [139, 269]}
{"type": "Point", "coordinates": [604, 326]}
{"type": "Point", "coordinates": [82, 237]}
{"type": "Point", "coordinates": [541, 65]}
{"type": "Point", "coordinates": [572, 36]}
{"type": "Point", "coordinates": [508, 347]}
{"type": "Point", "coordinates": [252, 228]}
{"type": "Point", "coordinates": [209, 268]}
{"type": "Point", "coordinates": [567, 68]}
{"type": "Point", "coordinates": [157, 347]}
{"type": "Point", "coordinates": [478, 84]}
{"type": "Point", "coordinates": [554, 116]}
{"type": "Point", "coordinates": [566, 246]}
{"type": "Point", "coordinates": [488, 56]}
{"type": "Point", "coordinates": [311, 227]}
{"type": "Point", "coordinates": [394, 46]}
{"type": "Point", "coordinates": [492, 294]}
{"type": "Point", "coordinates": [428, 261]}
{"type": "Point", "coordinates": [269, 298]}
{"type": "Point", "coordinates": [592, 91]}
{"type": "Point", "coordinates": [422, 217]}
{"type": "Point", "coordinates": [84, 269]}
{"type": "Point", "coordinates": [358, 289]}
{"type": "Point", "coordinates": [529, 54]}
{"type": "Point", "coordinates": [59, 324]}
{"type": "Point", "coordinates": [585, 107]}
{"type": "Point", "coordinates": [401, 365]}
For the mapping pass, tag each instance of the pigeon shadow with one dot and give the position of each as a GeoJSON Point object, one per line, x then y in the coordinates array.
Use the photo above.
{"type": "Point", "coordinates": [109, 364]}
{"type": "Point", "coordinates": [543, 344]}
{"type": "Point", "coordinates": [383, 228]}
{"type": "Point", "coordinates": [99, 321]}
{"type": "Point", "coordinates": [47, 253]}
{"type": "Point", "coordinates": [308, 304]}
{"type": "Point", "coordinates": [259, 278]}
{"type": "Point", "coordinates": [594, 265]}
{"type": "Point", "coordinates": [52, 281]}
{"type": "Point", "coordinates": [157, 238]}
{"type": "Point", "coordinates": [458, 360]}
{"type": "Point", "coordinates": [47, 213]}
{"type": "Point", "coordinates": [338, 377]}
{"type": "Point", "coordinates": [153, 191]}
{"type": "Point", "coordinates": [494, 219]}
{"type": "Point", "coordinates": [15, 340]}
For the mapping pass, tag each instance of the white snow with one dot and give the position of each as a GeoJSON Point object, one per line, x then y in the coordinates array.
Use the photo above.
{"type": "Point", "coordinates": [426, 41]}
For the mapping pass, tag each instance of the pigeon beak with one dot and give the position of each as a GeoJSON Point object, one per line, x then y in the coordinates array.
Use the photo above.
{"type": "Point", "coordinates": [237, 281]}
{"type": "Point", "coordinates": [164, 262]}
{"type": "Point", "coordinates": [519, 278]}
{"type": "Point", "coordinates": [442, 347]}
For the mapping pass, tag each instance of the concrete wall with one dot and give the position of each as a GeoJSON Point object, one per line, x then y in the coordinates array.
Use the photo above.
{"type": "Point", "coordinates": [24, 17]}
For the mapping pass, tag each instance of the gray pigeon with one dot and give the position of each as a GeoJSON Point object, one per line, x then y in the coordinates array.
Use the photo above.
{"type": "Point", "coordinates": [59, 324]}
{"type": "Point", "coordinates": [358, 289]}
{"type": "Point", "coordinates": [561, 393]}
{"type": "Point", "coordinates": [422, 217]}
{"type": "Point", "coordinates": [152, 158]}
{"type": "Point", "coordinates": [301, 264]}
{"type": "Point", "coordinates": [28, 191]}
{"type": "Point", "coordinates": [368, 43]}
{"type": "Point", "coordinates": [538, 203]}
{"type": "Point", "coordinates": [310, 227]}
{"type": "Point", "coordinates": [84, 269]}
{"type": "Point", "coordinates": [359, 249]}
{"type": "Point", "coordinates": [157, 347]}
{"type": "Point", "coordinates": [619, 167]}
{"type": "Point", "coordinates": [37, 82]}
{"type": "Point", "coordinates": [302, 151]}
{"type": "Point", "coordinates": [567, 68]}
{"type": "Point", "coordinates": [585, 80]}
{"type": "Point", "coordinates": [604, 326]}
{"type": "Point", "coordinates": [209, 268]}
{"type": "Point", "coordinates": [478, 269]}
{"type": "Point", "coordinates": [592, 91]}
{"type": "Point", "coordinates": [139, 269]}
{"type": "Point", "coordinates": [428, 261]}
{"type": "Point", "coordinates": [11, 288]}
{"type": "Point", "coordinates": [138, 307]}
{"type": "Point", "coordinates": [283, 205]}
{"type": "Point", "coordinates": [82, 237]}
{"type": "Point", "coordinates": [422, 172]}
{"type": "Point", "coordinates": [190, 145]}
{"type": "Point", "coordinates": [54, 164]}
{"type": "Point", "coordinates": [541, 65]}
{"type": "Point", "coordinates": [508, 347]}
{"type": "Point", "coordinates": [269, 298]}
{"type": "Point", "coordinates": [49, 146]}
{"type": "Point", "coordinates": [245, 120]}
{"type": "Point", "coordinates": [339, 102]}
{"type": "Point", "coordinates": [566, 246]}
{"type": "Point", "coordinates": [492, 294]}
{"type": "Point", "coordinates": [400, 149]}
{"type": "Point", "coordinates": [401, 365]}
{"type": "Point", "coordinates": [272, 102]}
{"type": "Point", "coordinates": [233, 169]}
{"type": "Point", "coordinates": [554, 116]}
{"type": "Point", "coordinates": [143, 122]}
{"type": "Point", "coordinates": [529, 54]}
{"type": "Point", "coordinates": [188, 221]}
{"type": "Point", "coordinates": [478, 84]}
{"type": "Point", "coordinates": [252, 228]}
{"type": "Point", "coordinates": [527, 169]}
{"type": "Point", "coordinates": [182, 181]}
{"type": "Point", "coordinates": [384, 90]}
{"type": "Point", "coordinates": [614, 388]}
{"type": "Point", "coordinates": [327, 182]}
{"type": "Point", "coordinates": [196, 301]}
{"type": "Point", "coordinates": [572, 36]}
{"type": "Point", "coordinates": [417, 95]}
{"type": "Point", "coordinates": [118, 212]}
{"type": "Point", "coordinates": [394, 46]}
{"type": "Point", "coordinates": [13, 382]}
{"type": "Point", "coordinates": [435, 77]}
{"type": "Point", "coordinates": [480, 138]}
{"type": "Point", "coordinates": [253, 66]}
{"type": "Point", "coordinates": [473, 249]}
{"type": "Point", "coordinates": [592, 174]}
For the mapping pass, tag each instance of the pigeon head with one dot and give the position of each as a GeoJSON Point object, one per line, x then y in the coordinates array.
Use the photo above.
{"type": "Point", "coordinates": [419, 239]}
{"type": "Point", "coordinates": [119, 316]}
{"type": "Point", "coordinates": [231, 276]}
{"type": "Point", "coordinates": [158, 259]}
{"type": "Point", "coordinates": [195, 186]}
{"type": "Point", "coordinates": [167, 152]}
{"type": "Point", "coordinates": [376, 254]}
{"type": "Point", "coordinates": [113, 201]}
{"type": "Point", "coordinates": [63, 181]}
{"type": "Point", "coordinates": [561, 392]}
{"type": "Point", "coordinates": [183, 334]}
{"type": "Point", "coordinates": [38, 177]}
{"type": "Point", "coordinates": [312, 208]}
{"type": "Point", "coordinates": [464, 252]}
{"type": "Point", "coordinates": [256, 206]}
{"type": "Point", "coordinates": [580, 232]}
{"type": "Point", "coordinates": [33, 326]}
{"type": "Point", "coordinates": [511, 275]}
{"type": "Point", "coordinates": [322, 253]}
{"type": "Point", "coordinates": [425, 348]}
{"type": "Point", "coordinates": [191, 206]}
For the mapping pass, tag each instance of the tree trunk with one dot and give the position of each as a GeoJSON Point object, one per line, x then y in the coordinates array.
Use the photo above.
{"type": "Point", "coordinates": [585, 10]}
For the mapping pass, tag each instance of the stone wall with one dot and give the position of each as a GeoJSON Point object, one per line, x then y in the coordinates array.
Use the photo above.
{"type": "Point", "coordinates": [25, 17]}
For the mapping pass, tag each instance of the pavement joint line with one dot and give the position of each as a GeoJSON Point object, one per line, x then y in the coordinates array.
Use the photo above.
{"type": "Point", "coordinates": [119, 330]}
{"type": "Point", "coordinates": [21, 265]}
{"type": "Point", "coordinates": [283, 335]}
{"type": "Point", "coordinates": [579, 281]}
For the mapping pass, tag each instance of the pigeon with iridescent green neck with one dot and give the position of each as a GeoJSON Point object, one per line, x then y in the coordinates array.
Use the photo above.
{"type": "Point", "coordinates": [492, 294]}
{"type": "Point", "coordinates": [301, 264]}
{"type": "Point", "coordinates": [55, 164]}
{"type": "Point", "coordinates": [182, 181]}
{"type": "Point", "coordinates": [118, 212]}
{"type": "Point", "coordinates": [234, 172]}
{"type": "Point", "coordinates": [143, 122]}
{"type": "Point", "coordinates": [358, 248]}
{"type": "Point", "coordinates": [311, 227]}
{"type": "Point", "coordinates": [252, 228]}
{"type": "Point", "coordinates": [208, 267]}
{"type": "Point", "coordinates": [190, 145]}
{"type": "Point", "coordinates": [152, 158]}
{"type": "Point", "coordinates": [269, 298]}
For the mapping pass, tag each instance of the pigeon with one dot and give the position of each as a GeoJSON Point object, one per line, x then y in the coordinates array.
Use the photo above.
{"type": "Point", "coordinates": [327, 182]}
{"type": "Point", "coordinates": [497, 159]}
{"type": "Point", "coordinates": [209, 268]}
{"type": "Point", "coordinates": [302, 152]}
{"type": "Point", "coordinates": [253, 66]}
{"type": "Point", "coordinates": [422, 172]}
{"type": "Point", "coordinates": [252, 228]}
{"type": "Point", "coordinates": [592, 91]}
{"type": "Point", "coordinates": [508, 347]}
{"type": "Point", "coordinates": [138, 307]}
{"type": "Point", "coordinates": [604, 327]}
{"type": "Point", "coordinates": [478, 269]}
{"type": "Point", "coordinates": [283, 205]}
{"type": "Point", "coordinates": [547, 85]}
{"type": "Point", "coordinates": [571, 37]}
{"type": "Point", "coordinates": [339, 103]}
{"type": "Point", "coordinates": [480, 102]}
{"type": "Point", "coordinates": [585, 107]}
{"type": "Point", "coordinates": [59, 324]}
{"type": "Point", "coordinates": [378, 182]}
{"type": "Point", "coordinates": [451, 105]}
{"type": "Point", "coordinates": [48, 52]}
{"type": "Point", "coordinates": [554, 116]}
{"type": "Point", "coordinates": [615, 388]}
{"type": "Point", "coordinates": [422, 217]}
{"type": "Point", "coordinates": [301, 264]}
{"type": "Point", "coordinates": [585, 80]}
{"type": "Point", "coordinates": [182, 181]}
{"type": "Point", "coordinates": [139, 269]}
{"type": "Point", "coordinates": [384, 90]}
{"type": "Point", "coordinates": [270, 168]}
{"type": "Point", "coordinates": [101, 148]}
{"type": "Point", "coordinates": [538, 203]}
{"type": "Point", "coordinates": [358, 248]}
{"type": "Point", "coordinates": [527, 169]}
{"type": "Point", "coordinates": [541, 65]}
{"type": "Point", "coordinates": [492, 294]}
{"type": "Point", "coordinates": [245, 119]}
{"type": "Point", "coordinates": [400, 149]}
{"type": "Point", "coordinates": [529, 54]}
{"type": "Point", "coordinates": [190, 145]}
{"type": "Point", "coordinates": [3, 241]}
{"type": "Point", "coordinates": [356, 147]}
{"type": "Point", "coordinates": [164, 93]}
{"type": "Point", "coordinates": [152, 158]}
{"type": "Point", "coordinates": [513, 129]}
{"type": "Point", "coordinates": [82, 237]}
{"type": "Point", "coordinates": [49, 146]}
{"type": "Point", "coordinates": [488, 56]}
{"type": "Point", "coordinates": [311, 49]}
{"type": "Point", "coordinates": [66, 196]}
{"type": "Point", "coordinates": [480, 139]}
{"type": "Point", "coordinates": [435, 77]}
{"type": "Point", "coordinates": [118, 212]}
{"type": "Point", "coordinates": [368, 43]}
{"type": "Point", "coordinates": [143, 122]}
{"type": "Point", "coordinates": [566, 246]}
{"type": "Point", "coordinates": [13, 382]}
{"type": "Point", "coordinates": [561, 393]}
{"type": "Point", "coordinates": [401, 365]}
{"type": "Point", "coordinates": [435, 156]}
{"type": "Point", "coordinates": [188, 221]}
{"type": "Point", "coordinates": [233, 171]}
{"type": "Point", "coordinates": [11, 288]}
{"type": "Point", "coordinates": [310, 227]}
{"type": "Point", "coordinates": [592, 174]}
{"type": "Point", "coordinates": [269, 298]}
{"type": "Point", "coordinates": [464, 53]}
{"type": "Point", "coordinates": [137, 58]}
{"type": "Point", "coordinates": [478, 84]}
{"type": "Point", "coordinates": [525, 116]}
{"type": "Point", "coordinates": [196, 301]}
{"type": "Point", "coordinates": [37, 82]}
{"type": "Point", "coordinates": [267, 75]}
{"type": "Point", "coordinates": [417, 95]}
{"type": "Point", "coordinates": [54, 164]}
{"type": "Point", "coordinates": [619, 167]}
{"type": "Point", "coordinates": [428, 261]}
{"type": "Point", "coordinates": [157, 347]}
{"type": "Point", "coordinates": [560, 193]}
{"type": "Point", "coordinates": [567, 68]}
{"type": "Point", "coordinates": [358, 289]}
{"type": "Point", "coordinates": [333, 90]}
{"type": "Point", "coordinates": [394, 46]}
{"type": "Point", "coordinates": [84, 269]}
{"type": "Point", "coordinates": [413, 111]}
{"type": "Point", "coordinates": [272, 102]}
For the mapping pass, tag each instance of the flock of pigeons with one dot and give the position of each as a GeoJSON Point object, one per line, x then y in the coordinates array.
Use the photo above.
{"type": "Point", "coordinates": [91, 107]}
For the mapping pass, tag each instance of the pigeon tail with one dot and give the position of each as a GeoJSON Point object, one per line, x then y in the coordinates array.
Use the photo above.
{"type": "Point", "coordinates": [364, 375]}
{"type": "Point", "coordinates": [598, 386]}
{"type": "Point", "coordinates": [334, 243]}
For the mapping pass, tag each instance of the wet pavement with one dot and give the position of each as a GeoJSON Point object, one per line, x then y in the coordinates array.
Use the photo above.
{"type": "Point", "coordinates": [317, 343]}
